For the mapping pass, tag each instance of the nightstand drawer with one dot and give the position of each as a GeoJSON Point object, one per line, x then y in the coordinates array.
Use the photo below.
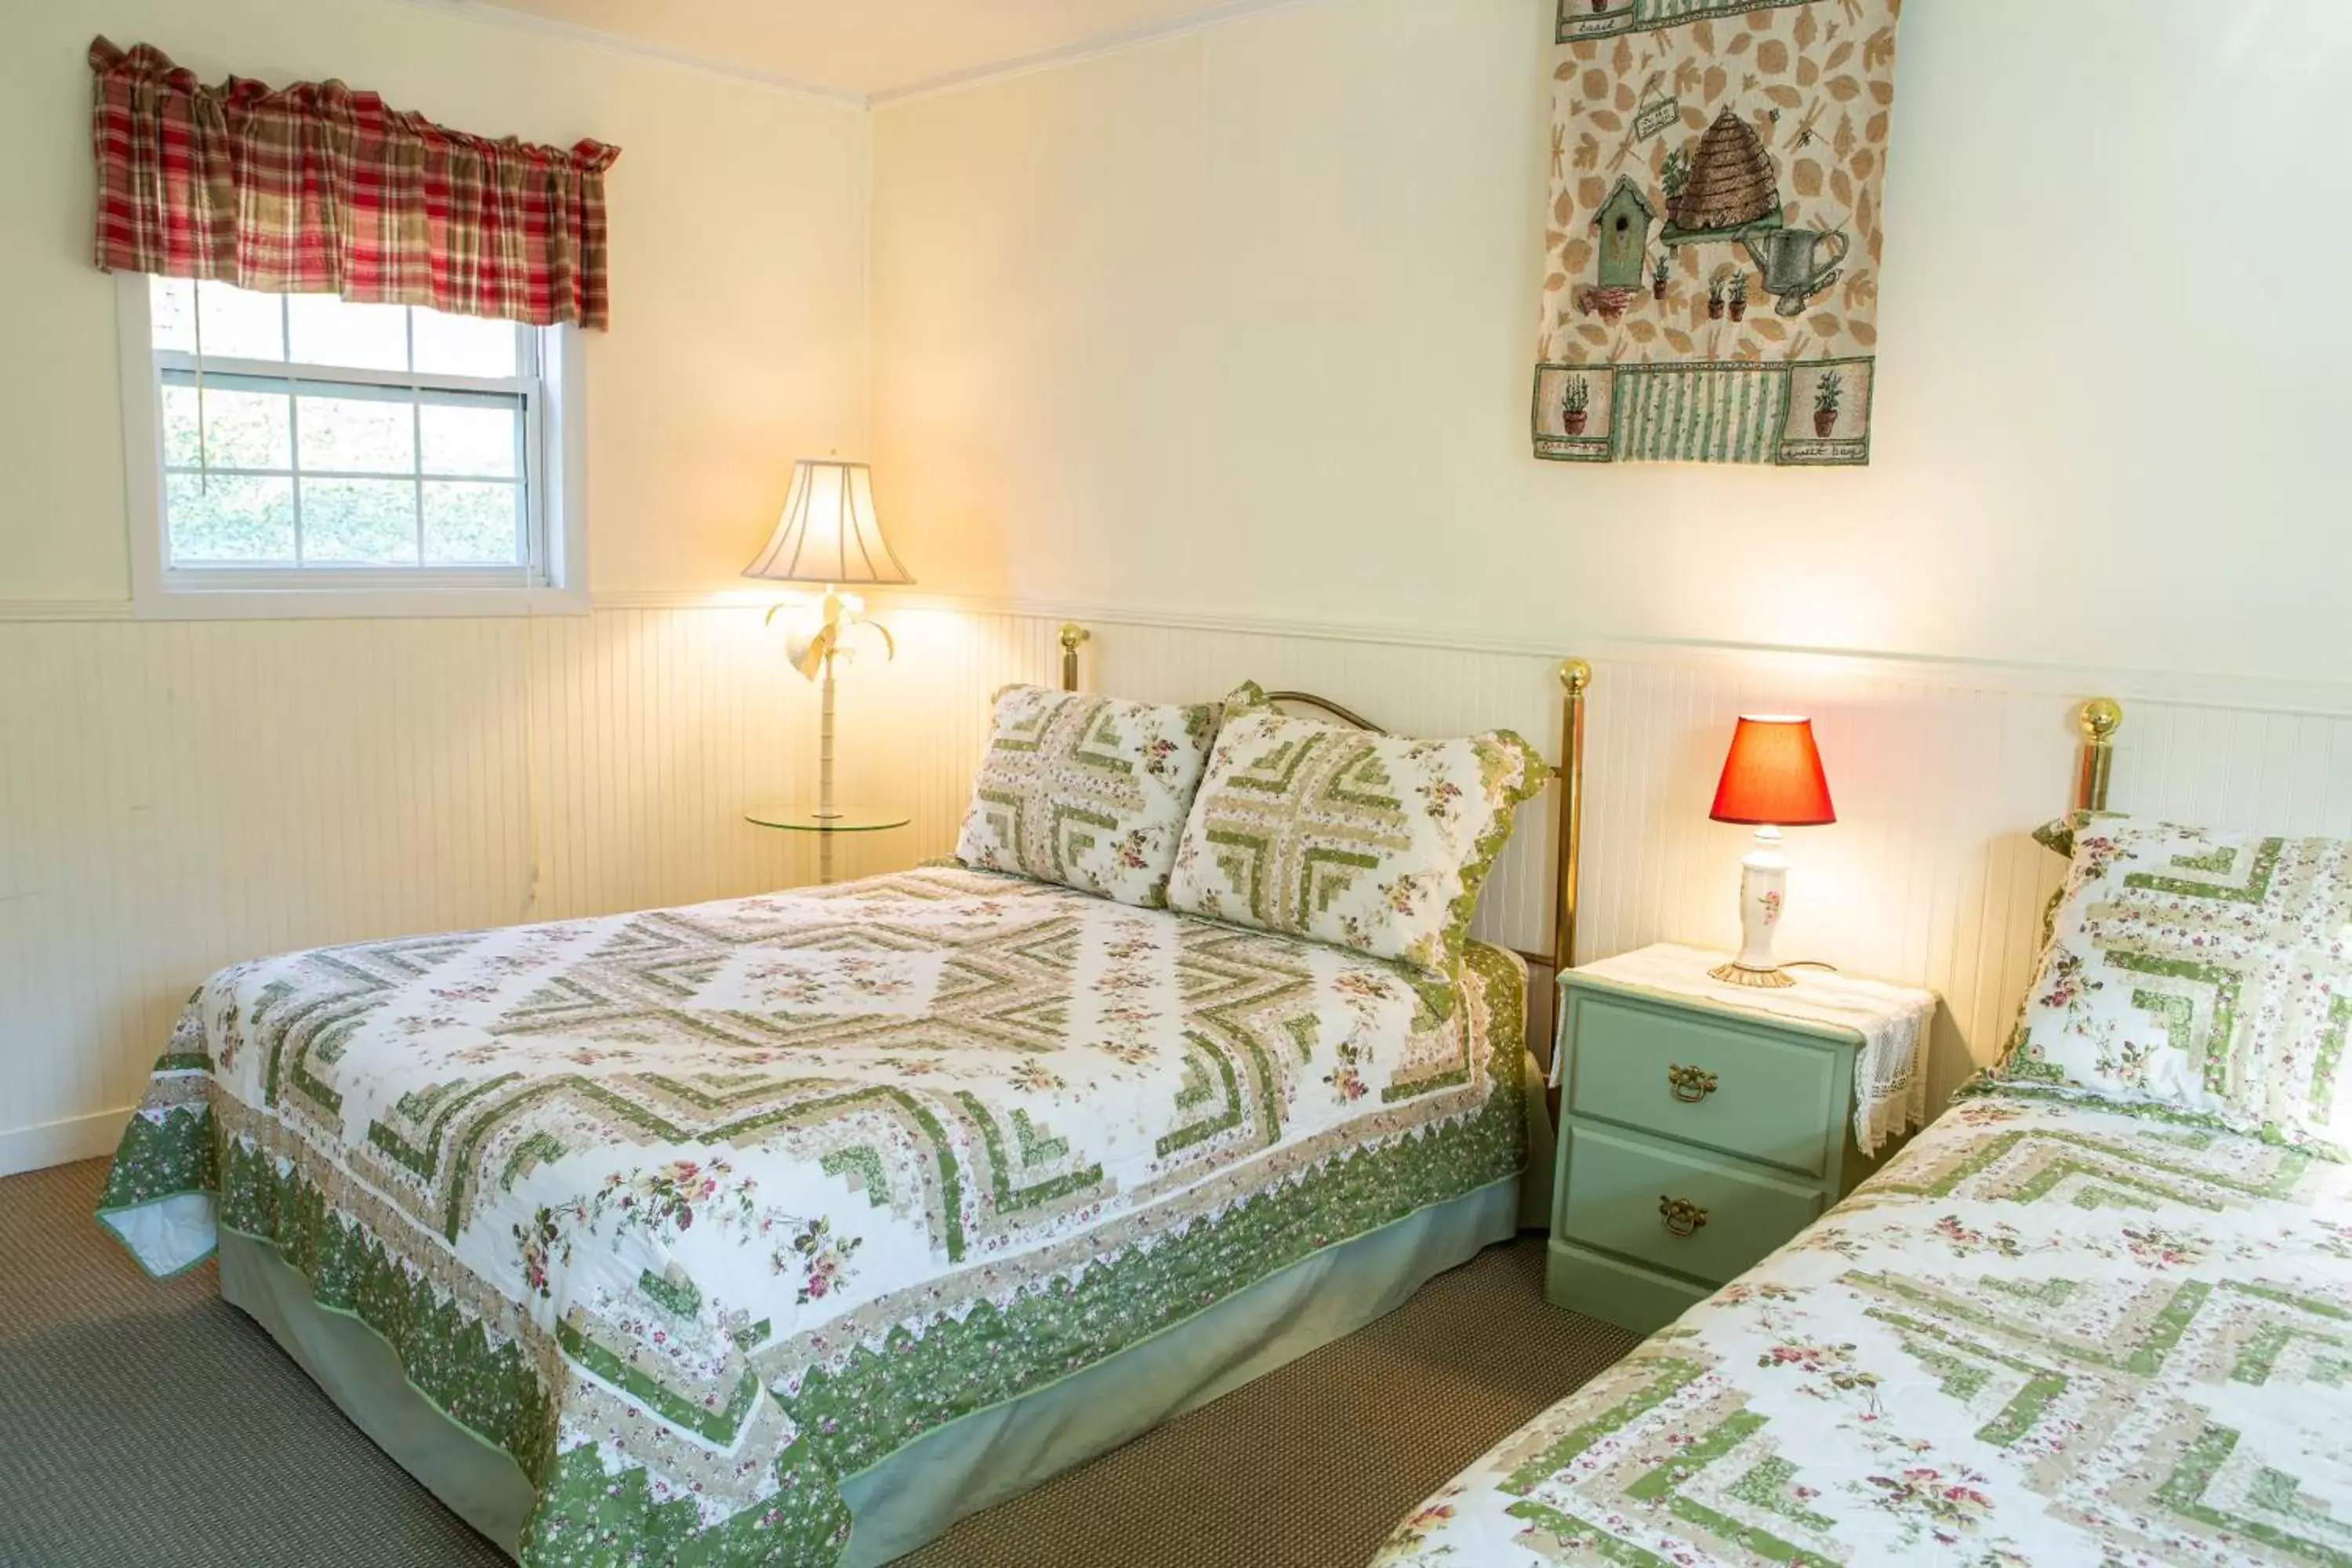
{"type": "Point", "coordinates": [1748, 1089]}
{"type": "Point", "coordinates": [1618, 1187]}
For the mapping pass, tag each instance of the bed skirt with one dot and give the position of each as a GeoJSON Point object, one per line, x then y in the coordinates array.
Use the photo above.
{"type": "Point", "coordinates": [970, 1464]}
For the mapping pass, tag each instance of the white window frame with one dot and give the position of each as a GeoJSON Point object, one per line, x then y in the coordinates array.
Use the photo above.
{"type": "Point", "coordinates": [555, 486]}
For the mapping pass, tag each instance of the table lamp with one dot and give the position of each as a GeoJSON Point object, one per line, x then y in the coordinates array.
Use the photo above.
{"type": "Point", "coordinates": [1772, 779]}
{"type": "Point", "coordinates": [828, 535]}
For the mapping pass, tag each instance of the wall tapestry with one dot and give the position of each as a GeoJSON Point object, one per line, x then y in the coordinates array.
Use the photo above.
{"type": "Point", "coordinates": [1712, 287]}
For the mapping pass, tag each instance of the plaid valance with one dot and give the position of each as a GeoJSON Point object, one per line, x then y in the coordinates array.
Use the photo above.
{"type": "Point", "coordinates": [315, 188]}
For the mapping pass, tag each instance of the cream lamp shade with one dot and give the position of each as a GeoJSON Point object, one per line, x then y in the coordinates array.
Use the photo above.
{"type": "Point", "coordinates": [829, 532]}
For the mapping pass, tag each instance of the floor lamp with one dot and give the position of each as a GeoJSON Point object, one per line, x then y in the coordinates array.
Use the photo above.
{"type": "Point", "coordinates": [828, 537]}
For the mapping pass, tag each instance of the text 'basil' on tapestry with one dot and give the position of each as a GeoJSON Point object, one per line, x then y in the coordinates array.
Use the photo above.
{"type": "Point", "coordinates": [1714, 239]}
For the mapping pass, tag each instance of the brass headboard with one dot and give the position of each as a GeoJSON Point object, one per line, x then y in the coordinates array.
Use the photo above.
{"type": "Point", "coordinates": [1345, 715]}
{"type": "Point", "coordinates": [1575, 682]}
{"type": "Point", "coordinates": [2099, 718]}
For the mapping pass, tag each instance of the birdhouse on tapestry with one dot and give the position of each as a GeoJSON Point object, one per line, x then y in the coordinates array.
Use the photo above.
{"type": "Point", "coordinates": [1624, 221]}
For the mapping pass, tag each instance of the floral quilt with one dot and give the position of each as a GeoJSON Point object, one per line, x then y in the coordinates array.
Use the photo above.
{"type": "Point", "coordinates": [698, 1212]}
{"type": "Point", "coordinates": [2051, 1333]}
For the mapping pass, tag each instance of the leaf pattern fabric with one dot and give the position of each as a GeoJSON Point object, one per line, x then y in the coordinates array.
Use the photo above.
{"type": "Point", "coordinates": [2208, 971]}
{"type": "Point", "coordinates": [697, 1211]}
{"type": "Point", "coordinates": [2051, 1333]}
{"type": "Point", "coordinates": [1716, 229]}
{"type": "Point", "coordinates": [1089, 792]}
{"type": "Point", "coordinates": [1368, 842]}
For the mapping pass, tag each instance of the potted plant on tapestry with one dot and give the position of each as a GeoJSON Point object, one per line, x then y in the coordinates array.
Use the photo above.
{"type": "Point", "coordinates": [1828, 393]}
{"type": "Point", "coordinates": [1714, 298]}
{"type": "Point", "coordinates": [1576, 404]}
{"type": "Point", "coordinates": [1674, 177]}
{"type": "Point", "coordinates": [1740, 297]}
{"type": "Point", "coordinates": [1658, 271]}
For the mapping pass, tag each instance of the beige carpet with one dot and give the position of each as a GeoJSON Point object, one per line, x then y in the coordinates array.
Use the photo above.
{"type": "Point", "coordinates": [146, 1422]}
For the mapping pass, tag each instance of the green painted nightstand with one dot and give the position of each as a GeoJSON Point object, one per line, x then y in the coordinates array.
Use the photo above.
{"type": "Point", "coordinates": [1696, 1135]}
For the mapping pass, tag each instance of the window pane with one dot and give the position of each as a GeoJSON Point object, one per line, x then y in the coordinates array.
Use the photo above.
{"type": "Point", "coordinates": [470, 438]}
{"type": "Point", "coordinates": [172, 313]}
{"type": "Point", "coordinates": [242, 429]}
{"type": "Point", "coordinates": [327, 331]}
{"type": "Point", "coordinates": [361, 435]}
{"type": "Point", "coordinates": [472, 524]}
{"type": "Point", "coordinates": [366, 522]}
{"type": "Point", "coordinates": [239, 325]}
{"type": "Point", "coordinates": [464, 345]}
{"type": "Point", "coordinates": [229, 521]}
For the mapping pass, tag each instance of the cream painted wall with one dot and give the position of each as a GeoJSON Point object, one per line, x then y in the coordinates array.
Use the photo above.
{"type": "Point", "coordinates": [174, 796]}
{"type": "Point", "coordinates": [1241, 323]}
{"type": "Point", "coordinates": [1217, 325]}
{"type": "Point", "coordinates": [738, 251]}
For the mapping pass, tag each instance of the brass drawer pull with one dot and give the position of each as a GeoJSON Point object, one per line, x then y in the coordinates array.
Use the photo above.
{"type": "Point", "coordinates": [1690, 1085]}
{"type": "Point", "coordinates": [1680, 1216]}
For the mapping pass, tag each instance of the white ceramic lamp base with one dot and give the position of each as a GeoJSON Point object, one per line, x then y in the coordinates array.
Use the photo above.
{"type": "Point", "coordinates": [1763, 889]}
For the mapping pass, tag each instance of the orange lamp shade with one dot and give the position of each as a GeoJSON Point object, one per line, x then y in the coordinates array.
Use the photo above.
{"type": "Point", "coordinates": [1773, 777]}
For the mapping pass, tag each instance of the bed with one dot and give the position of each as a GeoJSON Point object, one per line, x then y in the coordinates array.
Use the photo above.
{"type": "Point", "coordinates": [2087, 1317]}
{"type": "Point", "coordinates": [791, 1229]}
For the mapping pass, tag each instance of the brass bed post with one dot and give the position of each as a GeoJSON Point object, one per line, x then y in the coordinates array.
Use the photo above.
{"type": "Point", "coordinates": [1072, 636]}
{"type": "Point", "coordinates": [1575, 680]}
{"type": "Point", "coordinates": [2100, 718]}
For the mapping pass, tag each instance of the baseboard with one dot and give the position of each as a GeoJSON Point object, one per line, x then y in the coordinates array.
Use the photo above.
{"type": "Point", "coordinates": [61, 1142]}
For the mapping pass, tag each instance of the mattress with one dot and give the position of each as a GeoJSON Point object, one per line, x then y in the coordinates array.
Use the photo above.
{"type": "Point", "coordinates": [696, 1213]}
{"type": "Point", "coordinates": [2049, 1333]}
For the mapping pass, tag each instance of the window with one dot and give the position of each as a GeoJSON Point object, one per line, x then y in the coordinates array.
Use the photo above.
{"type": "Point", "coordinates": [304, 455]}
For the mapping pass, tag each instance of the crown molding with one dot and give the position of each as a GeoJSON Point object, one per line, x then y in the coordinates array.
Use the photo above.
{"type": "Point", "coordinates": [496, 16]}
{"type": "Point", "coordinates": [1082, 50]}
{"type": "Point", "coordinates": [491, 13]}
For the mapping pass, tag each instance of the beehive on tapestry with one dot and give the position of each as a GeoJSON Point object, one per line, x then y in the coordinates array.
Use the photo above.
{"type": "Point", "coordinates": [1714, 240]}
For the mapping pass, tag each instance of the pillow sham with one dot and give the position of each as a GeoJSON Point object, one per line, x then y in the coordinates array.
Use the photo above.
{"type": "Point", "coordinates": [1363, 841]}
{"type": "Point", "coordinates": [1089, 792]}
{"type": "Point", "coordinates": [2208, 972]}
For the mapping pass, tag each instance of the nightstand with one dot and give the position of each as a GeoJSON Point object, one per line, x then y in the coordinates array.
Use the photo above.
{"type": "Point", "coordinates": [1703, 1124]}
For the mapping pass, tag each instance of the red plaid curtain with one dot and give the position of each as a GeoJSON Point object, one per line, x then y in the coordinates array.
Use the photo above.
{"type": "Point", "coordinates": [319, 189]}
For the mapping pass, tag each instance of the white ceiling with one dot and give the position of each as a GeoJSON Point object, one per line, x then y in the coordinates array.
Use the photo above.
{"type": "Point", "coordinates": [862, 48]}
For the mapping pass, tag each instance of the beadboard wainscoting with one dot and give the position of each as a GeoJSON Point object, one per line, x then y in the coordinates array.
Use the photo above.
{"type": "Point", "coordinates": [177, 796]}
{"type": "Point", "coordinates": [1941, 772]}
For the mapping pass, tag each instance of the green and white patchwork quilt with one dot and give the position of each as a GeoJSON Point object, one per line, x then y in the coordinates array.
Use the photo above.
{"type": "Point", "coordinates": [700, 1211]}
{"type": "Point", "coordinates": [1371, 841]}
{"type": "Point", "coordinates": [2051, 1333]}
{"type": "Point", "coordinates": [1090, 792]}
{"type": "Point", "coordinates": [2209, 972]}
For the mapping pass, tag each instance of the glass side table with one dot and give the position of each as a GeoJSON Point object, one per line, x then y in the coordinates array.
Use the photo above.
{"type": "Point", "coordinates": [826, 824]}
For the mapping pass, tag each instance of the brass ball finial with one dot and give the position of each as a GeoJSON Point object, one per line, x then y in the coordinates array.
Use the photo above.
{"type": "Point", "coordinates": [1073, 635]}
{"type": "Point", "coordinates": [1576, 675]}
{"type": "Point", "coordinates": [2100, 718]}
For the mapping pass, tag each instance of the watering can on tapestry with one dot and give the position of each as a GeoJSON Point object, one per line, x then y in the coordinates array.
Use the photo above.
{"type": "Point", "coordinates": [1793, 264]}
